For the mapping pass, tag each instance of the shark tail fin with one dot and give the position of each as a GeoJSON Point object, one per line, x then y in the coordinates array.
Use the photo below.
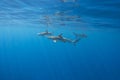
{"type": "Point", "coordinates": [76, 41]}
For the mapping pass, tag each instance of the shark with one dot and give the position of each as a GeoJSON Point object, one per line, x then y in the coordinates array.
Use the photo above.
{"type": "Point", "coordinates": [59, 38]}
{"type": "Point", "coordinates": [65, 39]}
{"type": "Point", "coordinates": [44, 33]}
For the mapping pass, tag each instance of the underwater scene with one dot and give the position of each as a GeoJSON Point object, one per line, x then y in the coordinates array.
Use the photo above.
{"type": "Point", "coordinates": [59, 40]}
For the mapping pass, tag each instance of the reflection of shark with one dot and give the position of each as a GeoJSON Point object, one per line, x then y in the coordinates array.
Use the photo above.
{"type": "Point", "coordinates": [68, 0]}
{"type": "Point", "coordinates": [44, 33]}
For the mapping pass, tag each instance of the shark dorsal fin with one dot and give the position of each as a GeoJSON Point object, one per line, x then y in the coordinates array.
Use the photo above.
{"type": "Point", "coordinates": [46, 31]}
{"type": "Point", "coordinates": [60, 35]}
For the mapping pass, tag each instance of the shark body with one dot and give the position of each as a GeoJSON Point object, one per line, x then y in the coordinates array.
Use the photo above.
{"type": "Point", "coordinates": [44, 33]}
{"type": "Point", "coordinates": [63, 39]}
{"type": "Point", "coordinates": [59, 38]}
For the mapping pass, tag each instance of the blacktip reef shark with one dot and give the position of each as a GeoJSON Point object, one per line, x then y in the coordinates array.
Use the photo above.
{"type": "Point", "coordinates": [44, 33]}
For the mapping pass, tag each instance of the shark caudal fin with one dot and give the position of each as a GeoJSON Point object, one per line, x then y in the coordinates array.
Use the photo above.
{"type": "Point", "coordinates": [76, 41]}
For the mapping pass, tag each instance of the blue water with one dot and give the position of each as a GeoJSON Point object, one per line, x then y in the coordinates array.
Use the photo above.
{"type": "Point", "coordinates": [26, 56]}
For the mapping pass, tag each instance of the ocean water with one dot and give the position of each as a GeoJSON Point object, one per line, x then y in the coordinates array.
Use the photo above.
{"type": "Point", "coordinates": [26, 56]}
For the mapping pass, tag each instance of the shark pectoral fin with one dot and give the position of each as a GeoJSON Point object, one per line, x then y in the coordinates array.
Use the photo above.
{"type": "Point", "coordinates": [54, 41]}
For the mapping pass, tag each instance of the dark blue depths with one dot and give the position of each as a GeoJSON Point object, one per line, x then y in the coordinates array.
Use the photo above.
{"type": "Point", "coordinates": [26, 56]}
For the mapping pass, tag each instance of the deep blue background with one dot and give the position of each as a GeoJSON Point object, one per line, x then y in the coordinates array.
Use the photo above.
{"type": "Point", "coordinates": [26, 56]}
